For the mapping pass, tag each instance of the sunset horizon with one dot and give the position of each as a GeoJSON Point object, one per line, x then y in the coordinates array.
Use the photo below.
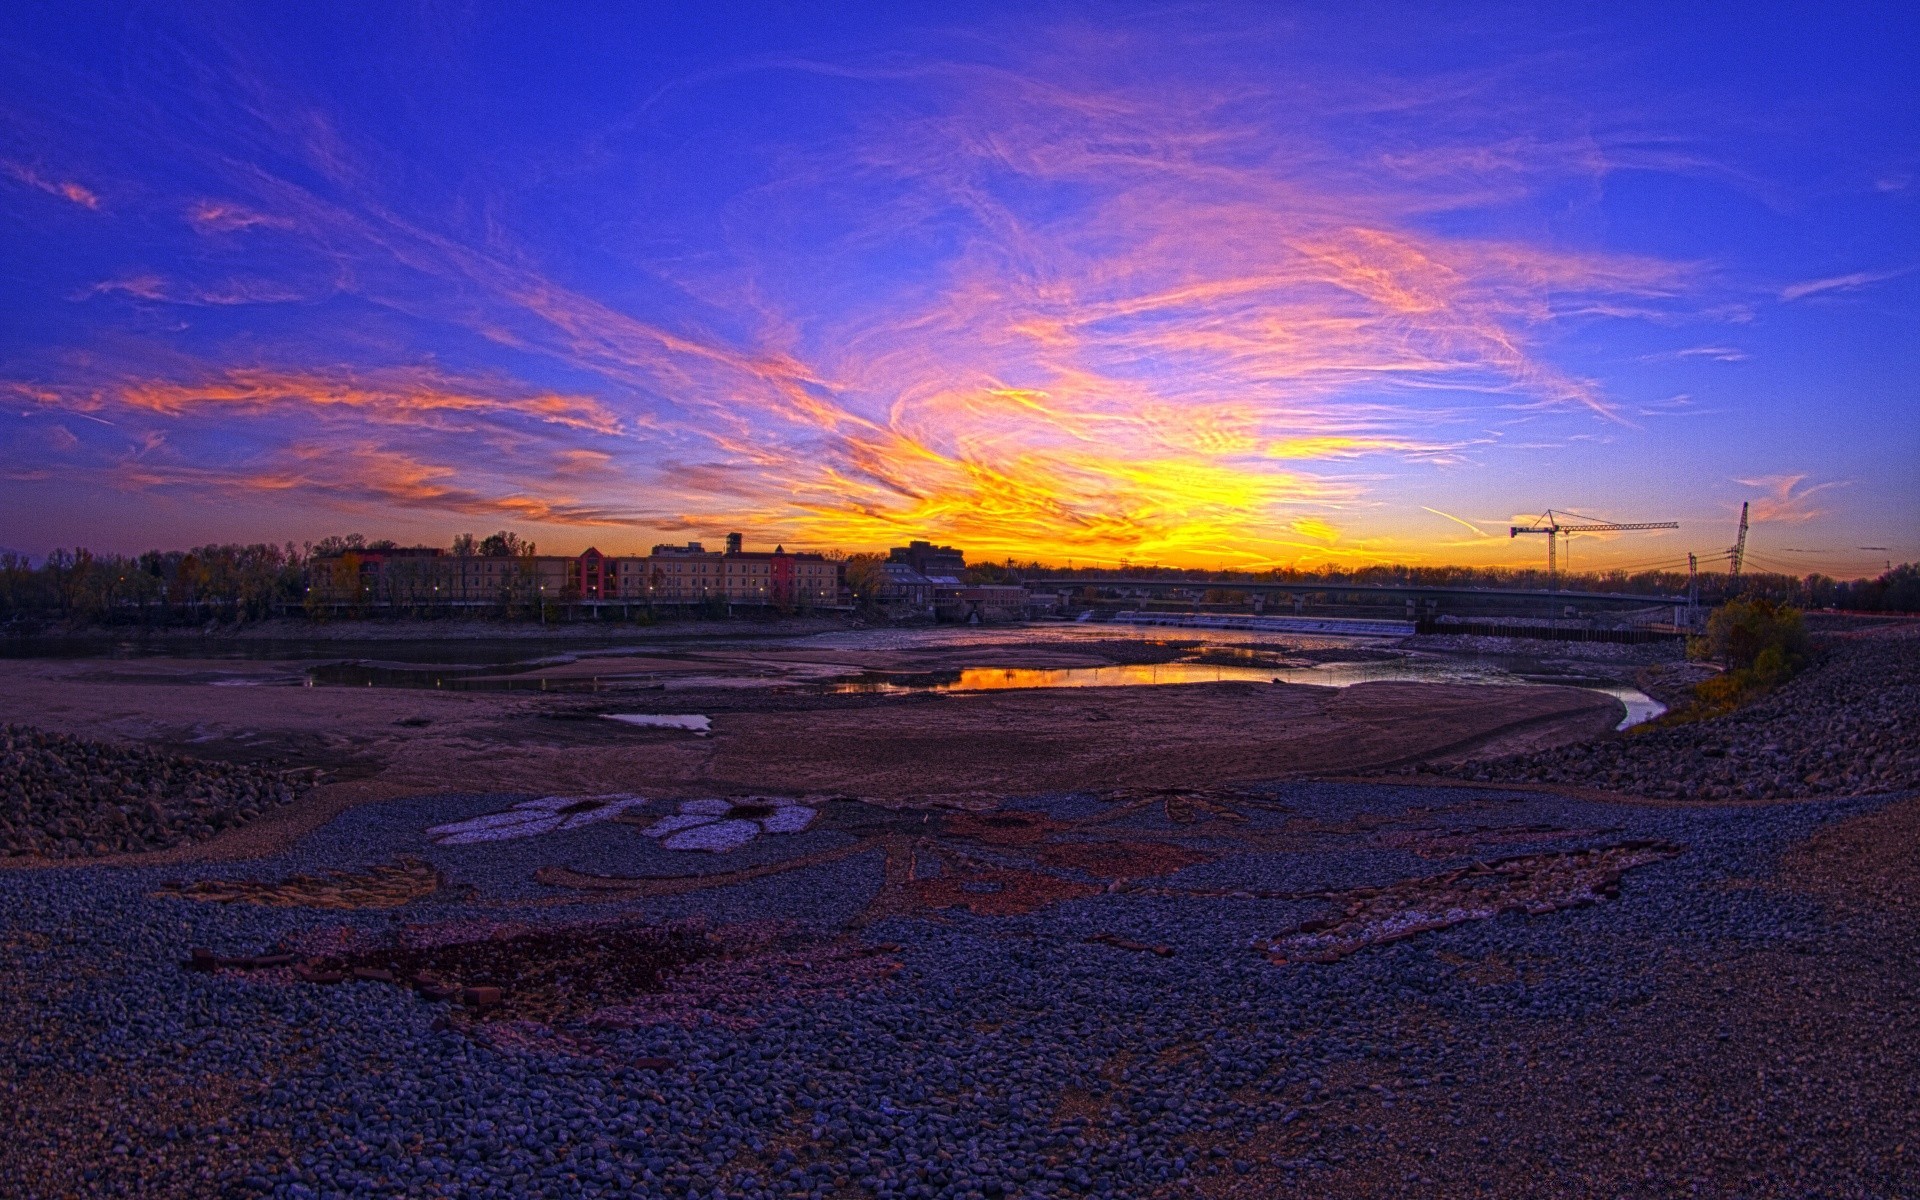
{"type": "Point", "coordinates": [1183, 286]}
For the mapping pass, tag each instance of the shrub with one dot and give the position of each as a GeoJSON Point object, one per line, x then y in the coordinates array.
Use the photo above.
{"type": "Point", "coordinates": [1740, 632]}
{"type": "Point", "coordinates": [1760, 643]}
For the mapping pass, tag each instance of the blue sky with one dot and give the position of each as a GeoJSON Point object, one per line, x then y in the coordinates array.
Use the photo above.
{"type": "Point", "coordinates": [1238, 285]}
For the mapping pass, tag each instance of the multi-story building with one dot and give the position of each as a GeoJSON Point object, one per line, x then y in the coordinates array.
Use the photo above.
{"type": "Point", "coordinates": [692, 573]}
{"type": "Point", "coordinates": [935, 562]}
{"type": "Point", "coordinates": [918, 576]}
{"type": "Point", "coordinates": [671, 575]}
{"type": "Point", "coordinates": [678, 575]}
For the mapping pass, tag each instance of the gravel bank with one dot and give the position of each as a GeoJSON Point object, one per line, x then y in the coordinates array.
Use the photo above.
{"type": "Point", "coordinates": [67, 797]}
{"type": "Point", "coordinates": [902, 1005]}
{"type": "Point", "coordinates": [1849, 725]}
{"type": "Point", "coordinates": [1597, 652]}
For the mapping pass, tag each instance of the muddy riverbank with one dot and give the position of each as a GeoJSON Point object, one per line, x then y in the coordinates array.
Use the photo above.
{"type": "Point", "coordinates": [917, 747]}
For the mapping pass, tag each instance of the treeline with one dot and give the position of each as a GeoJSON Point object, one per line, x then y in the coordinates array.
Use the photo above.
{"type": "Point", "coordinates": [160, 587]}
{"type": "Point", "coordinates": [229, 583]}
{"type": "Point", "coordinates": [1898, 590]}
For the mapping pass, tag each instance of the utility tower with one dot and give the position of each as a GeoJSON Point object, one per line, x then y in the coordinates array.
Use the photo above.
{"type": "Point", "coordinates": [1555, 526]}
{"type": "Point", "coordinates": [1693, 590]}
{"type": "Point", "coordinates": [1739, 550]}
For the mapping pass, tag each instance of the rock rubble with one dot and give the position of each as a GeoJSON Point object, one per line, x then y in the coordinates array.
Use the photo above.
{"type": "Point", "coordinates": [68, 797]}
{"type": "Point", "coordinates": [1847, 726]}
{"type": "Point", "coordinates": [1718, 1035]}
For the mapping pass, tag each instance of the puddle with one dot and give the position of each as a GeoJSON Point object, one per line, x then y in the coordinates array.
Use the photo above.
{"type": "Point", "coordinates": [690, 722]}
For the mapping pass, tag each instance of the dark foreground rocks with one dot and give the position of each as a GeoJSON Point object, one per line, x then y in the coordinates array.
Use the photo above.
{"type": "Point", "coordinates": [67, 797]}
{"type": "Point", "coordinates": [1621, 1000]}
{"type": "Point", "coordinates": [1849, 725]}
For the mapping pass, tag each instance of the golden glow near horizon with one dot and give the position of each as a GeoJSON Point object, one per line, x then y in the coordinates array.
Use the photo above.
{"type": "Point", "coordinates": [1126, 297]}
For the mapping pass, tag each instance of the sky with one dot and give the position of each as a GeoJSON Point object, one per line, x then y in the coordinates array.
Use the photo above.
{"type": "Point", "coordinates": [1209, 285]}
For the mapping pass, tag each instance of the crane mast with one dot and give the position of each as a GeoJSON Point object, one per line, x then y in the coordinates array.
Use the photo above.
{"type": "Point", "coordinates": [1739, 550]}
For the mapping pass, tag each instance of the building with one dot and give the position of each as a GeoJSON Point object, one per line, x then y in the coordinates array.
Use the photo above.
{"type": "Point", "coordinates": [424, 577]}
{"type": "Point", "coordinates": [692, 573]}
{"type": "Point", "coordinates": [929, 560]}
{"type": "Point", "coordinates": [593, 576]}
{"type": "Point", "coordinates": [982, 603]}
{"type": "Point", "coordinates": [905, 591]}
{"type": "Point", "coordinates": [916, 575]}
{"type": "Point", "coordinates": [686, 574]}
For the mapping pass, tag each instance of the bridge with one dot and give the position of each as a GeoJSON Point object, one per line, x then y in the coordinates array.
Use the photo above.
{"type": "Point", "coordinates": [1401, 601]}
{"type": "Point", "coordinates": [1269, 588]}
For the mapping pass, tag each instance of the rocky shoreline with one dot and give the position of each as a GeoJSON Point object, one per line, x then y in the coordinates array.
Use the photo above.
{"type": "Point", "coordinates": [69, 797]}
{"type": "Point", "coordinates": [1847, 726]}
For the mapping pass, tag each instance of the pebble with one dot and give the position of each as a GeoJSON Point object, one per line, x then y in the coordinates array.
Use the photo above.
{"type": "Point", "coordinates": [69, 797]}
{"type": "Point", "coordinates": [1849, 725]}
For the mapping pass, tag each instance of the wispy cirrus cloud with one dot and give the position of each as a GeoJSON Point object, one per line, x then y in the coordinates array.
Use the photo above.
{"type": "Point", "coordinates": [226, 216]}
{"type": "Point", "coordinates": [368, 477]}
{"type": "Point", "coordinates": [1054, 303]}
{"type": "Point", "coordinates": [231, 291]}
{"type": "Point", "coordinates": [382, 396]}
{"type": "Point", "coordinates": [1711, 353]}
{"type": "Point", "coordinates": [65, 189]}
{"type": "Point", "coordinates": [1787, 501]}
{"type": "Point", "coordinates": [1841, 283]}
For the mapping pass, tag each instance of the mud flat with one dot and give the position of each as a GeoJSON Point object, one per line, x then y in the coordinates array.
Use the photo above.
{"type": "Point", "coordinates": [386, 743]}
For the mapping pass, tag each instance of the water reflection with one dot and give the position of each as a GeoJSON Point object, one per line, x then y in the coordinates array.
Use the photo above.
{"type": "Point", "coordinates": [521, 664]}
{"type": "Point", "coordinates": [986, 679]}
{"type": "Point", "coordinates": [1640, 707]}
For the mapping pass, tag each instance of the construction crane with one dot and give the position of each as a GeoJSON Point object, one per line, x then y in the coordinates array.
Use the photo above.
{"type": "Point", "coordinates": [1555, 526]}
{"type": "Point", "coordinates": [1739, 551]}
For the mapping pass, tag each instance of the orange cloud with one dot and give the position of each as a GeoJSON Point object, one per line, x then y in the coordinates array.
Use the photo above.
{"type": "Point", "coordinates": [1787, 502]}
{"type": "Point", "coordinates": [365, 476]}
{"type": "Point", "coordinates": [394, 395]}
{"type": "Point", "coordinates": [66, 189]}
{"type": "Point", "coordinates": [224, 216]}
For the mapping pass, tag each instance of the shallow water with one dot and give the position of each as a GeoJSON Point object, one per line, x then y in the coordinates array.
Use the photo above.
{"type": "Point", "coordinates": [1410, 669]}
{"type": "Point", "coordinates": [516, 664]}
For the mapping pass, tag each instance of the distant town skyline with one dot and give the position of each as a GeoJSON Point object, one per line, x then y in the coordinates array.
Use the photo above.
{"type": "Point", "coordinates": [1194, 285]}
